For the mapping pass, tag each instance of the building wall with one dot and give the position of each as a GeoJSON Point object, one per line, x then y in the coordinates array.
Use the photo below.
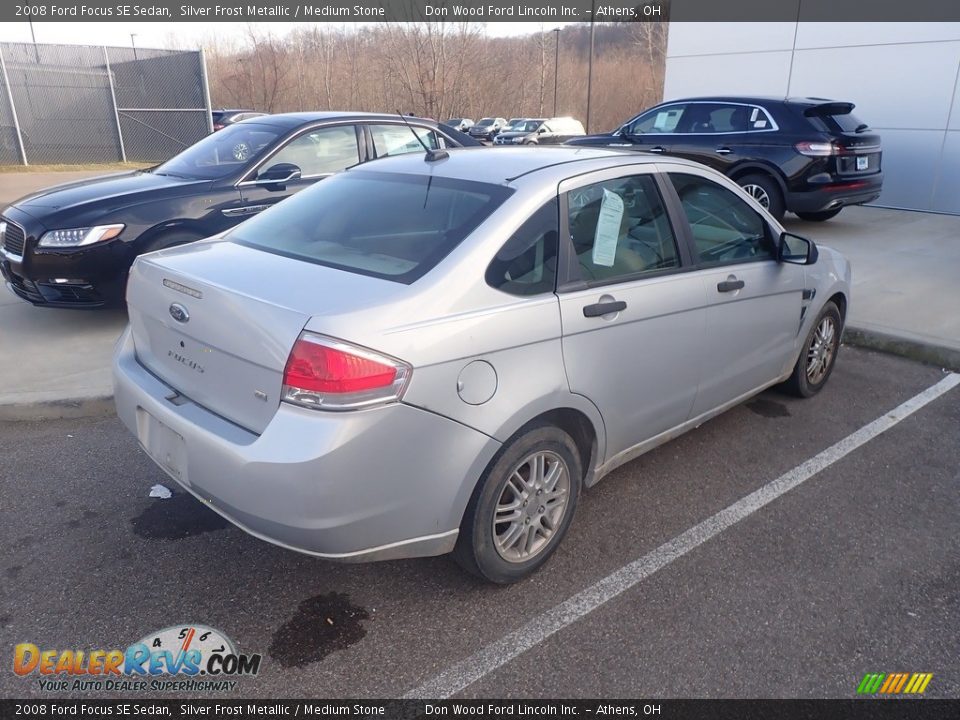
{"type": "Point", "coordinates": [903, 78]}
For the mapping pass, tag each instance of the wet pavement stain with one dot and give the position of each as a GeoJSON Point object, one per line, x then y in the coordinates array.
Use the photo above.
{"type": "Point", "coordinates": [768, 408]}
{"type": "Point", "coordinates": [180, 517]}
{"type": "Point", "coordinates": [85, 518]}
{"type": "Point", "coordinates": [5, 620]}
{"type": "Point", "coordinates": [322, 625]}
{"type": "Point", "coordinates": [13, 572]}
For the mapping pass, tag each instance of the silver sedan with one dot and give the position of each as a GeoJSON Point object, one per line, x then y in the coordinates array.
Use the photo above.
{"type": "Point", "coordinates": [433, 354]}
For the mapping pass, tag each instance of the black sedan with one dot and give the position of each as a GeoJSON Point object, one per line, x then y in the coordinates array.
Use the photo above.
{"type": "Point", "coordinates": [72, 245]}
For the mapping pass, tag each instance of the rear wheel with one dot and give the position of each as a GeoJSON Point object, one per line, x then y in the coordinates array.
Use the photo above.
{"type": "Point", "coordinates": [522, 507]}
{"type": "Point", "coordinates": [765, 190]}
{"type": "Point", "coordinates": [819, 216]}
{"type": "Point", "coordinates": [819, 354]}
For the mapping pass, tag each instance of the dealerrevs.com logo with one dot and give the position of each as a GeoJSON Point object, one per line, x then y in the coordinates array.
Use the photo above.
{"type": "Point", "coordinates": [181, 658]}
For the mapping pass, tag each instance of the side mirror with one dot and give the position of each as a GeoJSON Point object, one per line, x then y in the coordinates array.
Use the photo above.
{"type": "Point", "coordinates": [279, 175]}
{"type": "Point", "coordinates": [796, 250]}
{"type": "Point", "coordinates": [541, 131]}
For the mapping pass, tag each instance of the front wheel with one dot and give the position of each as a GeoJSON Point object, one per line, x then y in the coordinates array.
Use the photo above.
{"type": "Point", "coordinates": [819, 354]}
{"type": "Point", "coordinates": [522, 507]}
{"type": "Point", "coordinates": [819, 216]}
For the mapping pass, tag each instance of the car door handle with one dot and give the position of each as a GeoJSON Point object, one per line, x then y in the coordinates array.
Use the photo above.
{"type": "Point", "coordinates": [655, 148]}
{"type": "Point", "coordinates": [723, 150]}
{"type": "Point", "coordinates": [604, 308]}
{"type": "Point", "coordinates": [730, 285]}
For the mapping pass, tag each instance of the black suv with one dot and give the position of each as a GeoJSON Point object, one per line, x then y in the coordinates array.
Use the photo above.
{"type": "Point", "coordinates": [810, 156]}
{"type": "Point", "coordinates": [72, 245]}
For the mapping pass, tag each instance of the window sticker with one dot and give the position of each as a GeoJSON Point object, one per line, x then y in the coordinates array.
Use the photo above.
{"type": "Point", "coordinates": [753, 115]}
{"type": "Point", "coordinates": [760, 124]}
{"type": "Point", "coordinates": [608, 229]}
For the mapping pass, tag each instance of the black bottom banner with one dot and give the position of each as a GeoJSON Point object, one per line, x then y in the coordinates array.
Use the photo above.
{"type": "Point", "coordinates": [879, 709]}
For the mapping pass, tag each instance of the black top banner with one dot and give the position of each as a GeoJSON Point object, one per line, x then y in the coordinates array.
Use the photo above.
{"type": "Point", "coordinates": [482, 10]}
{"type": "Point", "coordinates": [533, 709]}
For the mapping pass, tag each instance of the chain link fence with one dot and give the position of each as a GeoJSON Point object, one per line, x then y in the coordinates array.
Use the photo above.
{"type": "Point", "coordinates": [68, 104]}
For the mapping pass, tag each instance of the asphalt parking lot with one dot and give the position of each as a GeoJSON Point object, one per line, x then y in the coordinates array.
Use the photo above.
{"type": "Point", "coordinates": [855, 570]}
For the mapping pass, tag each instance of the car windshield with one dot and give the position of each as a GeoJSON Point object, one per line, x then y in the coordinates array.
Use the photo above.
{"type": "Point", "coordinates": [386, 225]}
{"type": "Point", "coordinates": [221, 153]}
{"type": "Point", "coordinates": [486, 121]}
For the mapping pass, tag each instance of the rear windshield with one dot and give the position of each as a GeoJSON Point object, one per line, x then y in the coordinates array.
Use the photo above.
{"type": "Point", "coordinates": [847, 122]}
{"type": "Point", "coordinates": [386, 225]}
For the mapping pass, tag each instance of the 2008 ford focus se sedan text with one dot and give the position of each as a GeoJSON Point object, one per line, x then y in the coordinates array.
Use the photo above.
{"type": "Point", "coordinates": [436, 354]}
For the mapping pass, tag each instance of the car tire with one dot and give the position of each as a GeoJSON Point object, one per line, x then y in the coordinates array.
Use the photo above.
{"type": "Point", "coordinates": [766, 191]}
{"type": "Point", "coordinates": [819, 354]}
{"type": "Point", "coordinates": [819, 216]}
{"type": "Point", "coordinates": [539, 467]}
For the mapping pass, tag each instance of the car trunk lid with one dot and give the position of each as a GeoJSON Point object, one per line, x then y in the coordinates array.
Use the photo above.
{"type": "Point", "coordinates": [216, 321]}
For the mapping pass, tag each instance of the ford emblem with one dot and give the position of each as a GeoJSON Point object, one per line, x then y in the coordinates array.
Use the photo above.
{"type": "Point", "coordinates": [179, 313]}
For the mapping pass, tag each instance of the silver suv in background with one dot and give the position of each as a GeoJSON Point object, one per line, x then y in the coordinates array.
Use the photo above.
{"type": "Point", "coordinates": [433, 354]}
{"type": "Point", "coordinates": [539, 131]}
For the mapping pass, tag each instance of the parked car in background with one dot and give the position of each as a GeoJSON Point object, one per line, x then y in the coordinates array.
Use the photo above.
{"type": "Point", "coordinates": [414, 357]}
{"type": "Point", "coordinates": [222, 118]}
{"type": "Point", "coordinates": [540, 131]}
{"type": "Point", "coordinates": [810, 156]}
{"type": "Point", "coordinates": [461, 124]}
{"type": "Point", "coordinates": [487, 128]}
{"type": "Point", "coordinates": [72, 245]}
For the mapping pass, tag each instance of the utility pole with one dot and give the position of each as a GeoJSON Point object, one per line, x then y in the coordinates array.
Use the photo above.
{"type": "Point", "coordinates": [556, 66]}
{"type": "Point", "coordinates": [590, 62]}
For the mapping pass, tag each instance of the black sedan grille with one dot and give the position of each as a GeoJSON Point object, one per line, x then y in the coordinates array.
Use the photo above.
{"type": "Point", "coordinates": [13, 239]}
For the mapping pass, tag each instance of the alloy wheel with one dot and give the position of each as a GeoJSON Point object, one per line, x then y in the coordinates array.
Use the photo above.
{"type": "Point", "coordinates": [531, 506]}
{"type": "Point", "coordinates": [758, 194]}
{"type": "Point", "coordinates": [821, 350]}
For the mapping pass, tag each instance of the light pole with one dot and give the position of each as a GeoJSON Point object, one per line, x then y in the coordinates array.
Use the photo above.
{"type": "Point", "coordinates": [556, 66]}
{"type": "Point", "coordinates": [590, 62]}
{"type": "Point", "coordinates": [133, 44]}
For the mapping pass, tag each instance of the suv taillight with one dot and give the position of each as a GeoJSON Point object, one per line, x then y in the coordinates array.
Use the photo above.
{"type": "Point", "coordinates": [327, 374]}
{"type": "Point", "coordinates": [818, 149]}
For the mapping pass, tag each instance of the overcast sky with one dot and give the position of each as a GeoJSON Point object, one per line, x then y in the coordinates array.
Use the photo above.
{"type": "Point", "coordinates": [188, 34]}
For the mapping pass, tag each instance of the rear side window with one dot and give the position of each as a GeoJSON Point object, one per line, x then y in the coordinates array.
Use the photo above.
{"type": "Point", "coordinates": [527, 263]}
{"type": "Point", "coordinates": [386, 225]}
{"type": "Point", "coordinates": [400, 139]}
{"type": "Point", "coordinates": [619, 230]}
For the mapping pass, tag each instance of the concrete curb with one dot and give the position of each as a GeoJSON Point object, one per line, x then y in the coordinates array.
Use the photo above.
{"type": "Point", "coordinates": [91, 407]}
{"type": "Point", "coordinates": [102, 406]}
{"type": "Point", "coordinates": [929, 353]}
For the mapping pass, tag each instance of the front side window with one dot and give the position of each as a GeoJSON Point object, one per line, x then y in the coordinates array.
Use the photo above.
{"type": "Point", "coordinates": [321, 151]}
{"type": "Point", "coordinates": [386, 225]}
{"type": "Point", "coordinates": [401, 139]}
{"type": "Point", "coordinates": [225, 151]}
{"type": "Point", "coordinates": [619, 229]}
{"type": "Point", "coordinates": [527, 263]}
{"type": "Point", "coordinates": [663, 120]}
{"type": "Point", "coordinates": [725, 228]}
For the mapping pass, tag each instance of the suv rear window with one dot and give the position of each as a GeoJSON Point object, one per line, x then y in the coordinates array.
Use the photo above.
{"type": "Point", "coordinates": [846, 122]}
{"type": "Point", "coordinates": [391, 226]}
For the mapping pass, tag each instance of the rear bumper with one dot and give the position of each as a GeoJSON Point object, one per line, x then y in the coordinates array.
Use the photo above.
{"type": "Point", "coordinates": [836, 194]}
{"type": "Point", "coordinates": [379, 484]}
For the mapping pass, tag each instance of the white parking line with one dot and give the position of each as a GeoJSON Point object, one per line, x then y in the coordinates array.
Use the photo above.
{"type": "Point", "coordinates": [499, 653]}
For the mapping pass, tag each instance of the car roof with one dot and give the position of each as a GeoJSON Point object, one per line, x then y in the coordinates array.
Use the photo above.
{"type": "Point", "coordinates": [296, 119]}
{"type": "Point", "coordinates": [752, 99]}
{"type": "Point", "coordinates": [507, 165]}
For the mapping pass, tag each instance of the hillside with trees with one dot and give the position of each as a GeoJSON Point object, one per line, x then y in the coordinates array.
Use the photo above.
{"type": "Point", "coordinates": [442, 70]}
